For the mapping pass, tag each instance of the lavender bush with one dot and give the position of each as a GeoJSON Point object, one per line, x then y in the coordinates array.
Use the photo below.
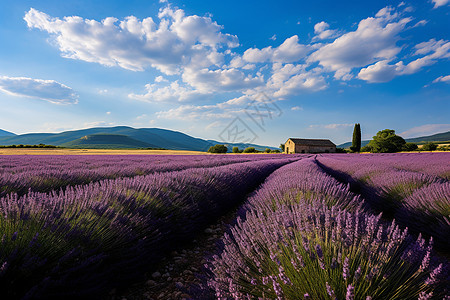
{"type": "Point", "coordinates": [313, 250]}
{"type": "Point", "coordinates": [303, 181]}
{"type": "Point", "coordinates": [21, 173]}
{"type": "Point", "coordinates": [81, 241]}
{"type": "Point", "coordinates": [418, 199]}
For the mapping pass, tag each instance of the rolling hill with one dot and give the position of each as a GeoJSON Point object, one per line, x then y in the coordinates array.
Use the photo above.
{"type": "Point", "coordinates": [120, 137]}
{"type": "Point", "coordinates": [6, 133]}
{"type": "Point", "coordinates": [105, 141]}
{"type": "Point", "coordinates": [438, 137]}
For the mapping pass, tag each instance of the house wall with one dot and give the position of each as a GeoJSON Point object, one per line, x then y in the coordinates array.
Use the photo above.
{"type": "Point", "coordinates": [290, 147]}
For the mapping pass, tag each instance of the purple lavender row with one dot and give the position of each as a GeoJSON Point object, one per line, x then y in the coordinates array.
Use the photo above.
{"type": "Point", "coordinates": [87, 239]}
{"type": "Point", "coordinates": [309, 249]}
{"type": "Point", "coordinates": [417, 200]}
{"type": "Point", "coordinates": [304, 181]}
{"type": "Point", "coordinates": [434, 164]}
{"type": "Point", "coordinates": [19, 174]}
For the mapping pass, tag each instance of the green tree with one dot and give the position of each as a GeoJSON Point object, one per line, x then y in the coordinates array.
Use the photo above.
{"type": "Point", "coordinates": [356, 141]}
{"type": "Point", "coordinates": [250, 150]}
{"type": "Point", "coordinates": [218, 149]}
{"type": "Point", "coordinates": [409, 147]}
{"type": "Point", "coordinates": [386, 141]}
{"type": "Point", "coordinates": [267, 150]}
{"type": "Point", "coordinates": [443, 148]}
{"type": "Point", "coordinates": [430, 146]}
{"type": "Point", "coordinates": [281, 147]}
{"type": "Point", "coordinates": [236, 150]}
{"type": "Point", "coordinates": [366, 148]}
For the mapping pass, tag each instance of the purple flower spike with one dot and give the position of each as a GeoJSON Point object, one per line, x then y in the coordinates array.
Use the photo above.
{"type": "Point", "coordinates": [425, 261]}
{"type": "Point", "coordinates": [283, 276]}
{"type": "Point", "coordinates": [350, 292]}
{"type": "Point", "coordinates": [3, 267]}
{"type": "Point", "coordinates": [345, 269]}
{"type": "Point", "coordinates": [319, 251]}
{"type": "Point", "coordinates": [277, 288]}
{"type": "Point", "coordinates": [434, 275]}
{"type": "Point", "coordinates": [306, 296]}
{"type": "Point", "coordinates": [330, 291]}
{"type": "Point", "coordinates": [425, 296]}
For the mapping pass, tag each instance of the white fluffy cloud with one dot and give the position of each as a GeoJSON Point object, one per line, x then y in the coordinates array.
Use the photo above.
{"type": "Point", "coordinates": [289, 51]}
{"type": "Point", "coordinates": [375, 39]}
{"type": "Point", "coordinates": [197, 57]}
{"type": "Point", "coordinates": [171, 92]}
{"type": "Point", "coordinates": [332, 126]}
{"type": "Point", "coordinates": [382, 71]}
{"type": "Point", "coordinates": [290, 79]}
{"type": "Point", "coordinates": [49, 90]}
{"type": "Point", "coordinates": [442, 79]}
{"type": "Point", "coordinates": [135, 44]}
{"type": "Point", "coordinates": [322, 32]}
{"type": "Point", "coordinates": [438, 3]}
{"type": "Point", "coordinates": [433, 50]}
{"type": "Point", "coordinates": [206, 80]}
{"type": "Point", "coordinates": [192, 112]}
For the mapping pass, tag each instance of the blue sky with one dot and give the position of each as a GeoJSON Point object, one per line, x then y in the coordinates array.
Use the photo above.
{"type": "Point", "coordinates": [268, 70]}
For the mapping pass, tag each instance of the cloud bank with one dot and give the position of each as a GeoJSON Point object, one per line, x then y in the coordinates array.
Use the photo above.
{"type": "Point", "coordinates": [48, 90]}
{"type": "Point", "coordinates": [197, 59]}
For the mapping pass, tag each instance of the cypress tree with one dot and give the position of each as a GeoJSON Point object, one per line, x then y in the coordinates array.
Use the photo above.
{"type": "Point", "coordinates": [356, 141]}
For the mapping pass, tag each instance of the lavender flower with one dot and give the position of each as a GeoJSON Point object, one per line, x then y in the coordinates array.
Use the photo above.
{"type": "Point", "coordinates": [278, 224]}
{"type": "Point", "coordinates": [432, 279]}
{"type": "Point", "coordinates": [283, 276]}
{"type": "Point", "coordinates": [319, 251]}
{"type": "Point", "coordinates": [345, 269]}
{"type": "Point", "coordinates": [277, 288]}
{"type": "Point", "coordinates": [350, 292]}
{"type": "Point", "coordinates": [3, 267]}
{"type": "Point", "coordinates": [425, 296]}
{"type": "Point", "coordinates": [330, 291]}
{"type": "Point", "coordinates": [125, 209]}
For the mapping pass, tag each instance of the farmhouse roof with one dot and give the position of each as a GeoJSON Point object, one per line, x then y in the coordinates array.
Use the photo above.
{"type": "Point", "coordinates": [313, 142]}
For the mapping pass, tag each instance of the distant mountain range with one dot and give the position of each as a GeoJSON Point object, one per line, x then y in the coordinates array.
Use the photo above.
{"type": "Point", "coordinates": [119, 137]}
{"type": "Point", "coordinates": [438, 137]}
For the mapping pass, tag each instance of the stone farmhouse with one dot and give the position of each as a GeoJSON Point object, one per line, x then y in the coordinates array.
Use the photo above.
{"type": "Point", "coordinates": [294, 145]}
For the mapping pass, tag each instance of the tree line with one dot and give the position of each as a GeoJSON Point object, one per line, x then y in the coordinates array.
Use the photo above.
{"type": "Point", "coordinates": [386, 141]}
{"type": "Point", "coordinates": [224, 149]}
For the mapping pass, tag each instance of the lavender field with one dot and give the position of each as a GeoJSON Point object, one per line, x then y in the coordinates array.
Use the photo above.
{"type": "Point", "coordinates": [333, 226]}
